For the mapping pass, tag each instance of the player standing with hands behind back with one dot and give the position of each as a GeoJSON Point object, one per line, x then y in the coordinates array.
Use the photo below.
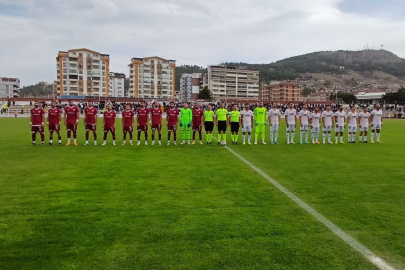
{"type": "Point", "coordinates": [222, 118]}
{"type": "Point", "coordinates": [235, 124]}
{"type": "Point", "coordinates": [376, 123]}
{"type": "Point", "coordinates": [247, 123]}
{"type": "Point", "coordinates": [109, 124]}
{"type": "Point", "coordinates": [260, 113]}
{"type": "Point", "coordinates": [71, 121]}
{"type": "Point", "coordinates": [186, 117]}
{"type": "Point", "coordinates": [197, 122]}
{"type": "Point", "coordinates": [90, 122]}
{"type": "Point", "coordinates": [37, 119]}
{"type": "Point", "coordinates": [54, 119]}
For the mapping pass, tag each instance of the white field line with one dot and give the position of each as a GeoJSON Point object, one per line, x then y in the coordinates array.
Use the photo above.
{"type": "Point", "coordinates": [369, 255]}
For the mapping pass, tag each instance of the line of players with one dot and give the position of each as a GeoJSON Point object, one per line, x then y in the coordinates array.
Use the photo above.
{"type": "Point", "coordinates": [194, 119]}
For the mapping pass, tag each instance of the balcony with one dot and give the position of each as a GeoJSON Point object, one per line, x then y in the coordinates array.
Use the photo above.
{"type": "Point", "coordinates": [16, 93]}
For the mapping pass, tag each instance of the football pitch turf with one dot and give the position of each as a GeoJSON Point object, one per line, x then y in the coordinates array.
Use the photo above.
{"type": "Point", "coordinates": [198, 206]}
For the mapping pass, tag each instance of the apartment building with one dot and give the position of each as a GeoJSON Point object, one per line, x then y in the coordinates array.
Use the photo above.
{"type": "Point", "coordinates": [226, 82]}
{"type": "Point", "coordinates": [83, 72]}
{"type": "Point", "coordinates": [152, 77]}
{"type": "Point", "coordinates": [190, 86]}
{"type": "Point", "coordinates": [117, 84]}
{"type": "Point", "coordinates": [281, 91]}
{"type": "Point", "coordinates": [9, 87]}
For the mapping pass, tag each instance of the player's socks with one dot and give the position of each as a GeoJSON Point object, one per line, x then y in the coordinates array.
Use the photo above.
{"type": "Point", "coordinates": [50, 141]}
{"type": "Point", "coordinates": [276, 137]}
{"type": "Point", "coordinates": [324, 137]}
{"type": "Point", "coordinates": [224, 136]}
{"type": "Point", "coordinates": [104, 143]}
{"type": "Point", "coordinates": [372, 137]}
{"type": "Point", "coordinates": [349, 137]}
{"type": "Point", "coordinates": [336, 138]}
{"type": "Point", "coordinates": [139, 143]}
{"type": "Point", "coordinates": [329, 136]}
{"type": "Point", "coordinates": [249, 137]}
{"type": "Point", "coordinates": [306, 136]}
{"type": "Point", "coordinates": [153, 142]}
{"type": "Point", "coordinates": [288, 136]}
{"type": "Point", "coordinates": [139, 136]}
{"type": "Point", "coordinates": [193, 135]}
{"type": "Point", "coordinates": [271, 136]}
{"type": "Point", "coordinates": [160, 142]}
{"type": "Point", "coordinates": [233, 138]}
{"type": "Point", "coordinates": [236, 138]}
{"type": "Point", "coordinates": [114, 142]}
{"type": "Point", "coordinates": [301, 136]}
{"type": "Point", "coordinates": [263, 142]}
{"type": "Point", "coordinates": [313, 137]}
{"type": "Point", "coordinates": [292, 136]}
{"type": "Point", "coordinates": [378, 137]}
{"type": "Point", "coordinates": [341, 138]}
{"type": "Point", "coordinates": [188, 142]}
{"type": "Point", "coordinates": [360, 138]}
{"type": "Point", "coordinates": [243, 138]}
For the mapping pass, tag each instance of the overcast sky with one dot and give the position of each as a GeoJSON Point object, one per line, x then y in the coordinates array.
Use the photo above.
{"type": "Point", "coordinates": [200, 32]}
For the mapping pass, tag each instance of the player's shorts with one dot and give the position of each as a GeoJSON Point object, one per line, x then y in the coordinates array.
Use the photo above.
{"type": "Point", "coordinates": [127, 129]}
{"type": "Point", "coordinates": [142, 128]}
{"type": "Point", "coordinates": [91, 127]}
{"type": "Point", "coordinates": [364, 128]}
{"type": "Point", "coordinates": [291, 128]}
{"type": "Point", "coordinates": [170, 128]}
{"type": "Point", "coordinates": [209, 126]}
{"type": "Point", "coordinates": [53, 127]}
{"type": "Point", "coordinates": [197, 128]}
{"type": "Point", "coordinates": [107, 129]}
{"type": "Point", "coordinates": [376, 127]}
{"type": "Point", "coordinates": [247, 128]}
{"type": "Point", "coordinates": [222, 126]}
{"type": "Point", "coordinates": [304, 128]}
{"type": "Point", "coordinates": [340, 129]}
{"type": "Point", "coordinates": [235, 126]}
{"type": "Point", "coordinates": [274, 128]}
{"type": "Point", "coordinates": [156, 127]}
{"type": "Point", "coordinates": [327, 128]}
{"type": "Point", "coordinates": [315, 129]}
{"type": "Point", "coordinates": [70, 127]}
{"type": "Point", "coordinates": [35, 129]}
{"type": "Point", "coordinates": [352, 127]}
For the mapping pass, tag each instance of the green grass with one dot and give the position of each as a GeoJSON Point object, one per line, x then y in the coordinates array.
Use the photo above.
{"type": "Point", "coordinates": [197, 207]}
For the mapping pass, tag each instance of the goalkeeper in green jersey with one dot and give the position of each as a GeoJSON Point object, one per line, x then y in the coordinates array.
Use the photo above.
{"type": "Point", "coordinates": [186, 117]}
{"type": "Point", "coordinates": [260, 114]}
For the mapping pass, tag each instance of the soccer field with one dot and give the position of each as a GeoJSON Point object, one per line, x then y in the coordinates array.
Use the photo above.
{"type": "Point", "coordinates": [198, 206]}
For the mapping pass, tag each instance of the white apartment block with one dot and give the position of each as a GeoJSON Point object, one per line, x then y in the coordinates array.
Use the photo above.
{"type": "Point", "coordinates": [83, 72]}
{"type": "Point", "coordinates": [233, 83]}
{"type": "Point", "coordinates": [9, 87]}
{"type": "Point", "coordinates": [152, 77]}
{"type": "Point", "coordinates": [190, 86]}
{"type": "Point", "coordinates": [117, 84]}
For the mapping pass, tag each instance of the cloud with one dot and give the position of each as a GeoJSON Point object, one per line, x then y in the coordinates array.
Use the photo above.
{"type": "Point", "coordinates": [198, 32]}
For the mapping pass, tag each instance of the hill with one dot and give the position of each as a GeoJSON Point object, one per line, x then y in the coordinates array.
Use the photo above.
{"type": "Point", "coordinates": [360, 64]}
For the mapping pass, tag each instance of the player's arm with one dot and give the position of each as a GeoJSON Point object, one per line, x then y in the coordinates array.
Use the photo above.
{"type": "Point", "coordinates": [279, 118]}
{"type": "Point", "coordinates": [84, 115]}
{"type": "Point", "coordinates": [59, 117]}
{"type": "Point", "coordinates": [190, 113]}
{"type": "Point", "coordinates": [47, 121]}
{"type": "Point", "coordinates": [96, 117]}
{"type": "Point", "coordinates": [251, 120]}
{"type": "Point", "coordinates": [228, 119]}
{"type": "Point", "coordinates": [300, 117]}
{"type": "Point", "coordinates": [286, 118]}
{"type": "Point", "coordinates": [370, 121]}
{"type": "Point", "coordinates": [202, 119]}
{"type": "Point", "coordinates": [77, 116]}
{"type": "Point", "coordinates": [115, 116]}
{"type": "Point", "coordinates": [104, 120]}
{"type": "Point", "coordinates": [65, 118]}
{"type": "Point", "coordinates": [31, 118]}
{"type": "Point", "coordinates": [161, 116]}
{"type": "Point", "coordinates": [43, 119]}
{"type": "Point", "coordinates": [122, 119]}
{"type": "Point", "coordinates": [216, 118]}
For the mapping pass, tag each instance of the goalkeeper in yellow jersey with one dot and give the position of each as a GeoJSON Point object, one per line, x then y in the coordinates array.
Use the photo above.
{"type": "Point", "coordinates": [260, 117]}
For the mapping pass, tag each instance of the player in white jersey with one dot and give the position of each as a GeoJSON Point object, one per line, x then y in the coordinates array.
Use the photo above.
{"type": "Point", "coordinates": [327, 122]}
{"type": "Point", "coordinates": [376, 122]}
{"type": "Point", "coordinates": [340, 120]}
{"type": "Point", "coordinates": [291, 122]}
{"type": "Point", "coordinates": [274, 120]}
{"type": "Point", "coordinates": [352, 121]}
{"type": "Point", "coordinates": [315, 121]}
{"type": "Point", "coordinates": [247, 123]}
{"type": "Point", "coordinates": [364, 123]}
{"type": "Point", "coordinates": [304, 115]}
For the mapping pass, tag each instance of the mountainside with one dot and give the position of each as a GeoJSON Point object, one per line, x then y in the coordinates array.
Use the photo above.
{"type": "Point", "coordinates": [365, 63]}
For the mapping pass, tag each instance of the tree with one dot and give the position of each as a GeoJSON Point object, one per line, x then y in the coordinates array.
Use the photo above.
{"type": "Point", "coordinates": [346, 97]}
{"type": "Point", "coordinates": [307, 91]}
{"type": "Point", "coordinates": [206, 94]}
{"type": "Point", "coordinates": [395, 97]}
{"type": "Point", "coordinates": [40, 89]}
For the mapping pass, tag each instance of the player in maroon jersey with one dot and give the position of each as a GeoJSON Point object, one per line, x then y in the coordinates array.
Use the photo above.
{"type": "Point", "coordinates": [37, 119]}
{"type": "Point", "coordinates": [156, 124]}
{"type": "Point", "coordinates": [54, 119]}
{"type": "Point", "coordinates": [71, 120]}
{"type": "Point", "coordinates": [172, 119]}
{"type": "Point", "coordinates": [143, 119]}
{"type": "Point", "coordinates": [128, 123]}
{"type": "Point", "coordinates": [197, 122]}
{"type": "Point", "coordinates": [90, 121]}
{"type": "Point", "coordinates": [109, 124]}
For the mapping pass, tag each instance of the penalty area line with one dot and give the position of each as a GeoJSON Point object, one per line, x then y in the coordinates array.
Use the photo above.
{"type": "Point", "coordinates": [368, 254]}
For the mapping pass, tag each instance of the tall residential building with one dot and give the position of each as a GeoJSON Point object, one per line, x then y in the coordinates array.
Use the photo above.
{"type": "Point", "coordinates": [190, 86]}
{"type": "Point", "coordinates": [83, 72]}
{"type": "Point", "coordinates": [227, 82]}
{"type": "Point", "coordinates": [281, 91]}
{"type": "Point", "coordinates": [9, 87]}
{"type": "Point", "coordinates": [117, 84]}
{"type": "Point", "coordinates": [152, 77]}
